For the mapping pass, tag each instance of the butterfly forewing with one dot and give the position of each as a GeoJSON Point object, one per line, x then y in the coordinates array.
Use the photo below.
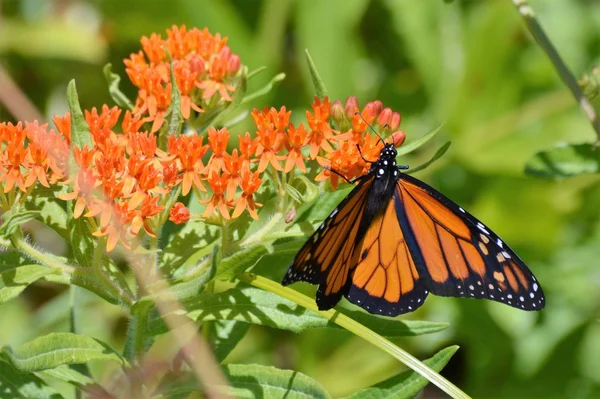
{"type": "Point", "coordinates": [326, 258]}
{"type": "Point", "coordinates": [459, 256]}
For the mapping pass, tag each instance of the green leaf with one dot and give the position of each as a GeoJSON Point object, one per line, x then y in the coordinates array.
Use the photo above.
{"type": "Point", "coordinates": [16, 384]}
{"type": "Point", "coordinates": [117, 95]}
{"type": "Point", "coordinates": [224, 335]}
{"type": "Point", "coordinates": [256, 306]}
{"type": "Point", "coordinates": [255, 72]}
{"type": "Point", "coordinates": [413, 145]}
{"type": "Point", "coordinates": [52, 212]}
{"type": "Point", "coordinates": [56, 349]}
{"type": "Point", "coordinates": [256, 381]}
{"type": "Point", "coordinates": [441, 151]}
{"type": "Point", "coordinates": [13, 219]}
{"type": "Point", "coordinates": [186, 288]}
{"type": "Point", "coordinates": [193, 242]}
{"type": "Point", "coordinates": [407, 384]}
{"type": "Point", "coordinates": [240, 261]}
{"type": "Point", "coordinates": [564, 160]}
{"type": "Point", "coordinates": [69, 375]}
{"type": "Point", "coordinates": [81, 240]}
{"type": "Point", "coordinates": [80, 131]}
{"type": "Point", "coordinates": [315, 76]}
{"type": "Point", "coordinates": [14, 281]}
{"type": "Point", "coordinates": [265, 89]}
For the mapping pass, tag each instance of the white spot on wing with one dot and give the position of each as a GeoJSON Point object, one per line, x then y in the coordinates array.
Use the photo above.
{"type": "Point", "coordinates": [482, 228]}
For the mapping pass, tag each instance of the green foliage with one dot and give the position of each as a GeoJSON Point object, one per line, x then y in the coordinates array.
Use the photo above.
{"type": "Point", "coordinates": [57, 349]}
{"type": "Point", "coordinates": [470, 64]}
{"type": "Point", "coordinates": [564, 161]}
{"type": "Point", "coordinates": [407, 384]}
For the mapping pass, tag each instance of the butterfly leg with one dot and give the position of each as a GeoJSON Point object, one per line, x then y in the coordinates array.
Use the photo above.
{"type": "Point", "coordinates": [339, 174]}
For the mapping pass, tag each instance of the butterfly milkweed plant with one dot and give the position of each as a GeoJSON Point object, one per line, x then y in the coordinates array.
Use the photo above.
{"type": "Point", "coordinates": [187, 228]}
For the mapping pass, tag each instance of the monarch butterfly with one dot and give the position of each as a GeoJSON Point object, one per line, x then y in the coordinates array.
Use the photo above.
{"type": "Point", "coordinates": [394, 239]}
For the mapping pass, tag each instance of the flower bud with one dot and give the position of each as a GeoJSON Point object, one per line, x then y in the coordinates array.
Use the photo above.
{"type": "Point", "coordinates": [197, 64]}
{"type": "Point", "coordinates": [395, 123]}
{"type": "Point", "coordinates": [179, 213]}
{"type": "Point", "coordinates": [337, 111]}
{"type": "Point", "coordinates": [351, 107]}
{"type": "Point", "coordinates": [233, 64]}
{"type": "Point", "coordinates": [398, 138]}
{"type": "Point", "coordinates": [377, 107]}
{"type": "Point", "coordinates": [385, 117]}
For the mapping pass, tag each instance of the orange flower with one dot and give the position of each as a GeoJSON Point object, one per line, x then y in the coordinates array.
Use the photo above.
{"type": "Point", "coordinates": [321, 132]}
{"type": "Point", "coordinates": [218, 74]}
{"type": "Point", "coordinates": [268, 147]}
{"type": "Point", "coordinates": [296, 139]}
{"type": "Point", "coordinates": [189, 151]}
{"type": "Point", "coordinates": [217, 140]}
{"type": "Point", "coordinates": [186, 75]}
{"type": "Point", "coordinates": [112, 189]}
{"type": "Point", "coordinates": [179, 213]}
{"type": "Point", "coordinates": [116, 230]}
{"type": "Point", "coordinates": [142, 216]}
{"type": "Point", "coordinates": [232, 165]}
{"type": "Point", "coordinates": [248, 145]}
{"type": "Point", "coordinates": [12, 156]}
{"type": "Point", "coordinates": [45, 152]}
{"type": "Point", "coordinates": [250, 183]}
{"type": "Point", "coordinates": [218, 185]}
{"type": "Point", "coordinates": [85, 183]}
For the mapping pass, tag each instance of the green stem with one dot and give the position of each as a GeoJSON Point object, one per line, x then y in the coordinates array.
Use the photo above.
{"type": "Point", "coordinates": [83, 277]}
{"type": "Point", "coordinates": [359, 330]}
{"type": "Point", "coordinates": [259, 234]}
{"type": "Point", "coordinates": [104, 278]}
{"type": "Point", "coordinates": [563, 71]}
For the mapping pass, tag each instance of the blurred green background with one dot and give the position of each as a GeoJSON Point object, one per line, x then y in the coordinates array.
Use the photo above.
{"type": "Point", "coordinates": [470, 64]}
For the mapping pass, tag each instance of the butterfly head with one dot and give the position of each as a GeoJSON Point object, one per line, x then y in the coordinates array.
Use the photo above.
{"type": "Point", "coordinates": [385, 167]}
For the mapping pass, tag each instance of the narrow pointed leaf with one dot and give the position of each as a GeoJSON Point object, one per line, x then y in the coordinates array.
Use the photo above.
{"type": "Point", "coordinates": [265, 89]}
{"type": "Point", "coordinates": [240, 261]}
{"type": "Point", "coordinates": [407, 384]}
{"type": "Point", "coordinates": [413, 145]}
{"type": "Point", "coordinates": [564, 160]}
{"type": "Point", "coordinates": [56, 349]}
{"type": "Point", "coordinates": [14, 281]}
{"type": "Point", "coordinates": [117, 95]}
{"type": "Point", "coordinates": [438, 154]}
{"type": "Point", "coordinates": [80, 131]}
{"type": "Point", "coordinates": [15, 384]}
{"type": "Point", "coordinates": [315, 76]}
{"type": "Point", "coordinates": [224, 335]}
{"type": "Point", "coordinates": [256, 381]}
{"type": "Point", "coordinates": [12, 221]}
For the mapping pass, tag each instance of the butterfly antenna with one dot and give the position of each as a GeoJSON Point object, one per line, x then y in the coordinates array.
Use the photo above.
{"type": "Point", "coordinates": [368, 124]}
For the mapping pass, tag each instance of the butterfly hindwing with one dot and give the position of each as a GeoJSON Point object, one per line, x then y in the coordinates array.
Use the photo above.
{"type": "Point", "coordinates": [386, 280]}
{"type": "Point", "coordinates": [326, 258]}
{"type": "Point", "coordinates": [459, 256]}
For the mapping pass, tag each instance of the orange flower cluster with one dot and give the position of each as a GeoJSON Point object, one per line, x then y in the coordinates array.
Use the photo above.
{"type": "Point", "coordinates": [122, 179]}
{"type": "Point", "coordinates": [31, 154]}
{"type": "Point", "coordinates": [203, 66]}
{"type": "Point", "coordinates": [354, 142]}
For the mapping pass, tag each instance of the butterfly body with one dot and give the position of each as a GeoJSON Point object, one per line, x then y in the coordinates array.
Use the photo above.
{"type": "Point", "coordinates": [394, 239]}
